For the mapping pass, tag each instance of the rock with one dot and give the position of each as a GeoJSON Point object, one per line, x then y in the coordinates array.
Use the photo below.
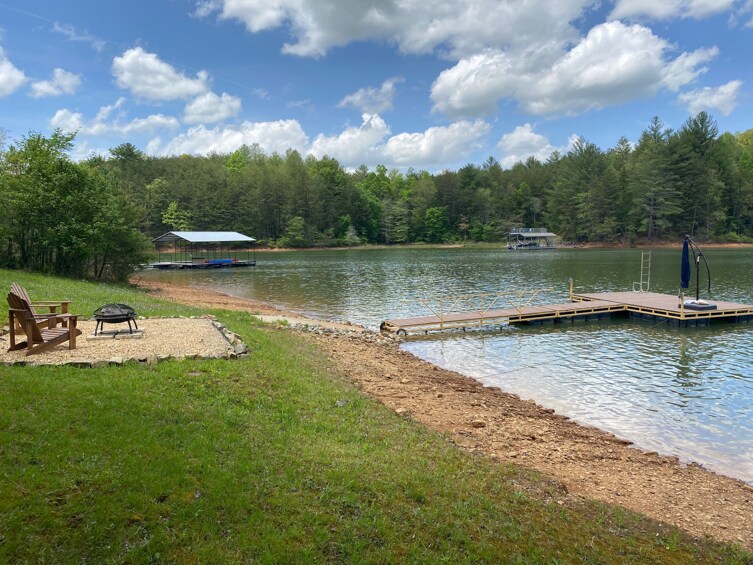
{"type": "Point", "coordinates": [478, 424]}
{"type": "Point", "coordinates": [402, 411]}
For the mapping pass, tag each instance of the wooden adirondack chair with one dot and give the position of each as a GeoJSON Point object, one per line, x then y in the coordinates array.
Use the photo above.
{"type": "Point", "coordinates": [51, 306]}
{"type": "Point", "coordinates": [38, 339]}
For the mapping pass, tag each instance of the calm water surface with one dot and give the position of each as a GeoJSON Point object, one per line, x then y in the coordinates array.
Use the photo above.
{"type": "Point", "coordinates": [685, 392]}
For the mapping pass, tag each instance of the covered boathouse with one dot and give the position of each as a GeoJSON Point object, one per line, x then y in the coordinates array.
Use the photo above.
{"type": "Point", "coordinates": [203, 250]}
{"type": "Point", "coordinates": [530, 239]}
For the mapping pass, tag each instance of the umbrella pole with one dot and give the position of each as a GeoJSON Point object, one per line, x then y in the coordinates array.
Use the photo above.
{"type": "Point", "coordinates": [698, 277]}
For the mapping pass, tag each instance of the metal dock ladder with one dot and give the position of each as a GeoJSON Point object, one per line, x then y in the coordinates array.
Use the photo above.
{"type": "Point", "coordinates": [645, 281]}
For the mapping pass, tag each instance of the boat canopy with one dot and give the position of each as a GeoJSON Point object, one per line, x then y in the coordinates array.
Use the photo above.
{"type": "Point", "coordinates": [203, 237]}
{"type": "Point", "coordinates": [531, 233]}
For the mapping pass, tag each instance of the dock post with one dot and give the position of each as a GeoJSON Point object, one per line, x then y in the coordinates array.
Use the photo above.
{"type": "Point", "coordinates": [570, 281]}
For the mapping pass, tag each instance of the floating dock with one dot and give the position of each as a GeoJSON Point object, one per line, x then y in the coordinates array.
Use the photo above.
{"type": "Point", "coordinates": [583, 307]}
{"type": "Point", "coordinates": [210, 264]}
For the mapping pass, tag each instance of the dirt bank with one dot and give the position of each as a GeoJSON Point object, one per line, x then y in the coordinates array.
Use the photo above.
{"type": "Point", "coordinates": [589, 462]}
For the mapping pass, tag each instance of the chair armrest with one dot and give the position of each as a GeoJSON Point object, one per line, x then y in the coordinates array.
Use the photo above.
{"type": "Point", "coordinates": [50, 316]}
{"type": "Point", "coordinates": [52, 306]}
{"type": "Point", "coordinates": [44, 316]}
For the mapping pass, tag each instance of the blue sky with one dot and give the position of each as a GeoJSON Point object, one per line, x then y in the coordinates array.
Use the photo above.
{"type": "Point", "coordinates": [430, 84]}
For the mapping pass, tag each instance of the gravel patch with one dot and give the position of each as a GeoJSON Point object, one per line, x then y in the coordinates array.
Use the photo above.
{"type": "Point", "coordinates": [161, 339]}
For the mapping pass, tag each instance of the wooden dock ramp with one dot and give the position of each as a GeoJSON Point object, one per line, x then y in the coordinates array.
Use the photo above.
{"type": "Point", "coordinates": [649, 305]}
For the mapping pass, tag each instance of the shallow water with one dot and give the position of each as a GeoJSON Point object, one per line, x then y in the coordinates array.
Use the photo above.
{"type": "Point", "coordinates": [685, 392]}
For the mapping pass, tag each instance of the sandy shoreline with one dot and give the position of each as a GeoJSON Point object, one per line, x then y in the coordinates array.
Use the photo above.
{"type": "Point", "coordinates": [587, 461]}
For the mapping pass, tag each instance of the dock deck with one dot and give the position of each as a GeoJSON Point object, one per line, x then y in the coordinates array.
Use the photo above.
{"type": "Point", "coordinates": [219, 264]}
{"type": "Point", "coordinates": [646, 305]}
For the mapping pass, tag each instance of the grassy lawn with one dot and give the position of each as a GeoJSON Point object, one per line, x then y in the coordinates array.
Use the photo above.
{"type": "Point", "coordinates": [271, 459]}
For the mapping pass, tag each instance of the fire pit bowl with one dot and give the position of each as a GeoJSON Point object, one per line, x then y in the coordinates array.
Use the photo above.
{"type": "Point", "coordinates": [114, 314]}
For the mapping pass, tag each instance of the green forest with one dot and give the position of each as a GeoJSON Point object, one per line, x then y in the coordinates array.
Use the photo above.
{"type": "Point", "coordinates": [95, 218]}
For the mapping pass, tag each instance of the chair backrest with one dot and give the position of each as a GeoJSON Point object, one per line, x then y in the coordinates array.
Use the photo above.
{"type": "Point", "coordinates": [23, 310]}
{"type": "Point", "coordinates": [20, 291]}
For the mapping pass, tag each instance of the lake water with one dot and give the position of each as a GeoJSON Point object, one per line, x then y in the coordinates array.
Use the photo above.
{"type": "Point", "coordinates": [685, 392]}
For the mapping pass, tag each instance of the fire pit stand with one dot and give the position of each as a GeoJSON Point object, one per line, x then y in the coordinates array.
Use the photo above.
{"type": "Point", "coordinates": [114, 314]}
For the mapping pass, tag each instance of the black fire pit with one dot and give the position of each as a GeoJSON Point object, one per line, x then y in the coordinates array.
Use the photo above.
{"type": "Point", "coordinates": [114, 314]}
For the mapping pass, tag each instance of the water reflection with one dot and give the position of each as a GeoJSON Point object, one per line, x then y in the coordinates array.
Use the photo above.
{"type": "Point", "coordinates": [684, 392]}
{"type": "Point", "coordinates": [687, 392]}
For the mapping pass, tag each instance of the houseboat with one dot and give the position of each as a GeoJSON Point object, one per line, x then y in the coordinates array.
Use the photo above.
{"type": "Point", "coordinates": [530, 239]}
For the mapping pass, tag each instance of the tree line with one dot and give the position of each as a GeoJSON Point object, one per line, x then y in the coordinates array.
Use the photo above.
{"type": "Point", "coordinates": [670, 183]}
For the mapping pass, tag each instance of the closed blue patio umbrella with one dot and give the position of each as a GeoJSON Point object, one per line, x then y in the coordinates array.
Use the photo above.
{"type": "Point", "coordinates": [685, 265]}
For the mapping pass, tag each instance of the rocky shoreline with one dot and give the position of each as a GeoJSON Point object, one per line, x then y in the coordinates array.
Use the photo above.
{"type": "Point", "coordinates": [588, 462]}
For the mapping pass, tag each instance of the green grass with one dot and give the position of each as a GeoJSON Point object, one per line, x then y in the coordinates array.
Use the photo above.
{"type": "Point", "coordinates": [270, 459]}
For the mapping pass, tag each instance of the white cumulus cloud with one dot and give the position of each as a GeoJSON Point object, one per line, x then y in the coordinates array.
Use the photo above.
{"type": "Point", "coordinates": [146, 76]}
{"type": "Point", "coordinates": [355, 145]}
{"type": "Point", "coordinates": [474, 85]}
{"type": "Point", "coordinates": [523, 142]}
{"type": "Point", "coordinates": [209, 108]}
{"type": "Point", "coordinates": [613, 63]}
{"type": "Point", "coordinates": [11, 78]}
{"type": "Point", "coordinates": [273, 137]}
{"type": "Point", "coordinates": [68, 120]}
{"type": "Point", "coordinates": [367, 143]}
{"type": "Point", "coordinates": [685, 69]}
{"type": "Point", "coordinates": [530, 53]}
{"type": "Point", "coordinates": [106, 111]}
{"type": "Point", "coordinates": [415, 26]}
{"type": "Point", "coordinates": [669, 9]}
{"type": "Point", "coordinates": [373, 100]}
{"type": "Point", "coordinates": [437, 145]}
{"type": "Point", "coordinates": [62, 82]}
{"type": "Point", "coordinates": [722, 98]}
